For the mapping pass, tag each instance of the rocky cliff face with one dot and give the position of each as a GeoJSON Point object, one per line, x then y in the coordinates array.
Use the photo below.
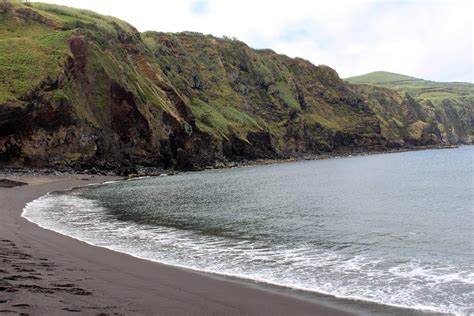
{"type": "Point", "coordinates": [448, 105]}
{"type": "Point", "coordinates": [81, 89]}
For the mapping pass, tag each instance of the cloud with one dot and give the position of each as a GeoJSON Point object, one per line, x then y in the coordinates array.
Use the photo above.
{"type": "Point", "coordinates": [426, 39]}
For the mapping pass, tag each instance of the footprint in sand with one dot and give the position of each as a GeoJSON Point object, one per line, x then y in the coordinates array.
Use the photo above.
{"type": "Point", "coordinates": [21, 305]}
{"type": "Point", "coordinates": [21, 277]}
{"type": "Point", "coordinates": [72, 310]}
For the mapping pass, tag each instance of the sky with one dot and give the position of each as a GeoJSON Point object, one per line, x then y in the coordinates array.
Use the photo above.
{"type": "Point", "coordinates": [421, 38]}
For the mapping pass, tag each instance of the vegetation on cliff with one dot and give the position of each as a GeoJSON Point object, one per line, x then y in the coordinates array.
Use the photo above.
{"type": "Point", "coordinates": [449, 104]}
{"type": "Point", "coordinates": [78, 88]}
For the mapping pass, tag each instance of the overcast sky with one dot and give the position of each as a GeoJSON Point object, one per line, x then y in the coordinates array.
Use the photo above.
{"type": "Point", "coordinates": [426, 39]}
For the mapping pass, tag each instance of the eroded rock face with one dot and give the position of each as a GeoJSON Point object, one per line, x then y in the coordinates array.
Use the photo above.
{"type": "Point", "coordinates": [32, 129]}
{"type": "Point", "coordinates": [259, 145]}
{"type": "Point", "coordinates": [78, 48]}
{"type": "Point", "coordinates": [126, 120]}
{"type": "Point", "coordinates": [29, 15]}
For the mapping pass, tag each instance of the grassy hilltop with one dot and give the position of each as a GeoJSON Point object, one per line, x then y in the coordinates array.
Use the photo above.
{"type": "Point", "coordinates": [79, 89]}
{"type": "Point", "coordinates": [419, 88]}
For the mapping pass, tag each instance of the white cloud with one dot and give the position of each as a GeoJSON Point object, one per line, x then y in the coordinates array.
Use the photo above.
{"type": "Point", "coordinates": [427, 39]}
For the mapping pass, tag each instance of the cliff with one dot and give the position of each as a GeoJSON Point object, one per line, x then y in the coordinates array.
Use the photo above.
{"type": "Point", "coordinates": [450, 105]}
{"type": "Point", "coordinates": [81, 89]}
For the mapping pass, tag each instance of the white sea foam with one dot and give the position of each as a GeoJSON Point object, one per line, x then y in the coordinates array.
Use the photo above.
{"type": "Point", "coordinates": [411, 284]}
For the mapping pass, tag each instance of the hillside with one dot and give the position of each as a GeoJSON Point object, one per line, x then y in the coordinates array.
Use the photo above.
{"type": "Point", "coordinates": [418, 88]}
{"type": "Point", "coordinates": [81, 89]}
{"type": "Point", "coordinates": [450, 103]}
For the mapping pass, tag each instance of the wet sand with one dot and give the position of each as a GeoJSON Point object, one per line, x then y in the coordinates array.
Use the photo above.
{"type": "Point", "coordinates": [46, 273]}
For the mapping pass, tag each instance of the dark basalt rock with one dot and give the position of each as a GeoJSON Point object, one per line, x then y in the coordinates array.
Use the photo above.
{"type": "Point", "coordinates": [6, 183]}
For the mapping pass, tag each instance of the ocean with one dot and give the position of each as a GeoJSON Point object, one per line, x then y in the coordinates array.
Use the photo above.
{"type": "Point", "coordinates": [395, 229]}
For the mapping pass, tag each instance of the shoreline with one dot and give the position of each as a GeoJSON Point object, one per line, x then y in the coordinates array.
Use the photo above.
{"type": "Point", "coordinates": [332, 155]}
{"type": "Point", "coordinates": [168, 289]}
{"type": "Point", "coordinates": [21, 171]}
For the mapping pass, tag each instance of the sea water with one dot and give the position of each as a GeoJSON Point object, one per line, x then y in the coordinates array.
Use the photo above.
{"type": "Point", "coordinates": [395, 229]}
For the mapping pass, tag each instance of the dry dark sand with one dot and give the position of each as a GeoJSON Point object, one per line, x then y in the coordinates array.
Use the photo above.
{"type": "Point", "coordinates": [46, 273]}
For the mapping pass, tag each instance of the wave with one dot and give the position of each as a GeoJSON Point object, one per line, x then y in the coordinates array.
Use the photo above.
{"type": "Point", "coordinates": [436, 287]}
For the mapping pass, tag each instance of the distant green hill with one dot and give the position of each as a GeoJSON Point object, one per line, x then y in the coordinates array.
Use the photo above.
{"type": "Point", "coordinates": [418, 88]}
{"type": "Point", "coordinates": [379, 77]}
